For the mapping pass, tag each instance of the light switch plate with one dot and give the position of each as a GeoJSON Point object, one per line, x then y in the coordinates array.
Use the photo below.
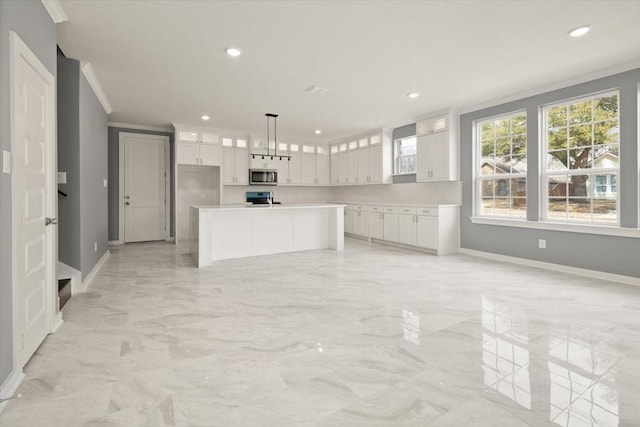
{"type": "Point", "coordinates": [62, 177]}
{"type": "Point", "coordinates": [6, 161]}
{"type": "Point", "coordinates": [104, 183]}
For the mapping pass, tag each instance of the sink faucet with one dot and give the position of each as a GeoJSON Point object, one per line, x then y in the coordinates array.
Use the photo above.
{"type": "Point", "coordinates": [270, 199]}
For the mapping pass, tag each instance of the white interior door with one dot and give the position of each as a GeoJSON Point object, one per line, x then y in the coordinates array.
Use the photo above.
{"type": "Point", "coordinates": [144, 187]}
{"type": "Point", "coordinates": [33, 187]}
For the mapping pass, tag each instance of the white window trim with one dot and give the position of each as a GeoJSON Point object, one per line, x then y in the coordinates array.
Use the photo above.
{"type": "Point", "coordinates": [395, 156]}
{"type": "Point", "coordinates": [570, 227]}
{"type": "Point", "coordinates": [477, 158]}
{"type": "Point", "coordinates": [543, 174]}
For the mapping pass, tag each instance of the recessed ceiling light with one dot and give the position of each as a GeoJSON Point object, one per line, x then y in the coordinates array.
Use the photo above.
{"type": "Point", "coordinates": [205, 117]}
{"type": "Point", "coordinates": [233, 51]}
{"type": "Point", "coordinates": [413, 95]}
{"type": "Point", "coordinates": [318, 131]}
{"type": "Point", "coordinates": [580, 31]}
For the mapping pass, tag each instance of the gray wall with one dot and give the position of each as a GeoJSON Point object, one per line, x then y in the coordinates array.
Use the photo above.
{"type": "Point", "coordinates": [93, 170]}
{"type": "Point", "coordinates": [618, 255]}
{"type": "Point", "coordinates": [114, 176]}
{"type": "Point", "coordinates": [69, 251]}
{"type": "Point", "coordinates": [32, 23]}
{"type": "Point", "coordinates": [82, 154]}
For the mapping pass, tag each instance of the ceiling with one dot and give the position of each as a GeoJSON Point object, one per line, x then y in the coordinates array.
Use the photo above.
{"type": "Point", "coordinates": [162, 62]}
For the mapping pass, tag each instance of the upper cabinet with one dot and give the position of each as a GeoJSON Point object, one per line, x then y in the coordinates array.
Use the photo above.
{"type": "Point", "coordinates": [432, 125]}
{"type": "Point", "coordinates": [197, 146]}
{"type": "Point", "coordinates": [437, 149]}
{"type": "Point", "coordinates": [235, 160]}
{"type": "Point", "coordinates": [366, 159]}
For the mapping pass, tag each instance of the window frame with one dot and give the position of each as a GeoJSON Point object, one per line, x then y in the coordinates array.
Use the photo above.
{"type": "Point", "coordinates": [478, 178]}
{"type": "Point", "coordinates": [396, 156]}
{"type": "Point", "coordinates": [544, 173]}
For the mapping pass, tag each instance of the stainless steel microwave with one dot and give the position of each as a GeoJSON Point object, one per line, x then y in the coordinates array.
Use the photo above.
{"type": "Point", "coordinates": [263, 177]}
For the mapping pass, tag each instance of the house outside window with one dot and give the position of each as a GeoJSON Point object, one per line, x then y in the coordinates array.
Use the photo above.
{"type": "Point", "coordinates": [501, 171]}
{"type": "Point", "coordinates": [404, 156]}
{"type": "Point", "coordinates": [581, 160]}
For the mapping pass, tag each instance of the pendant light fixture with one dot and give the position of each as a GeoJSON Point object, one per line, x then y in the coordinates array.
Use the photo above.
{"type": "Point", "coordinates": [275, 140]}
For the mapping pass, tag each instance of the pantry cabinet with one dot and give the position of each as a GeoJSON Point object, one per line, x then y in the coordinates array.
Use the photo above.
{"type": "Point", "coordinates": [436, 157]}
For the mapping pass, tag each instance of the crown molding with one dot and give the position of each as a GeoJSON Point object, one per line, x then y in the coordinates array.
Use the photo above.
{"type": "Point", "coordinates": [87, 70]}
{"type": "Point", "coordinates": [621, 68]}
{"type": "Point", "coordinates": [139, 127]}
{"type": "Point", "coordinates": [55, 10]}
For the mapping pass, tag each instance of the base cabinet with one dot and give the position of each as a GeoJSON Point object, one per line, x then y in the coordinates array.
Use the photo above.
{"type": "Point", "coordinates": [376, 223]}
{"type": "Point", "coordinates": [435, 228]}
{"type": "Point", "coordinates": [390, 219]}
{"type": "Point", "coordinates": [407, 229]}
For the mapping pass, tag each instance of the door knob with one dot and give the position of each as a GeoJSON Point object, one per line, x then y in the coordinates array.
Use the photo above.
{"type": "Point", "coordinates": [127, 203]}
{"type": "Point", "coordinates": [49, 221]}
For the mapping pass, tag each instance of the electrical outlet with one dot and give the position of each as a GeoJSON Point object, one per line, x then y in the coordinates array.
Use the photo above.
{"type": "Point", "coordinates": [95, 246]}
{"type": "Point", "coordinates": [542, 244]}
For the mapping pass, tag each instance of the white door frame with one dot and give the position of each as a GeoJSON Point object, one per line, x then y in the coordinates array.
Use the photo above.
{"type": "Point", "coordinates": [167, 182]}
{"type": "Point", "coordinates": [20, 51]}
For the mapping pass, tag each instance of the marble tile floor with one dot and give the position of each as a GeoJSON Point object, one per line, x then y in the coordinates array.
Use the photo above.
{"type": "Point", "coordinates": [373, 336]}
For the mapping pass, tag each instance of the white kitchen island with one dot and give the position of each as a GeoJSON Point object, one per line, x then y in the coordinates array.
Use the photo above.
{"type": "Point", "coordinates": [238, 231]}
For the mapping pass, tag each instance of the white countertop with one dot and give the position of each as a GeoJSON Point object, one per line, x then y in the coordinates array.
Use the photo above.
{"type": "Point", "coordinates": [261, 207]}
{"type": "Point", "coordinates": [407, 205]}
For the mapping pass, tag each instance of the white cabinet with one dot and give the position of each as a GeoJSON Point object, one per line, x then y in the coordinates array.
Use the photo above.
{"type": "Point", "coordinates": [197, 147]}
{"type": "Point", "coordinates": [349, 213]}
{"type": "Point", "coordinates": [363, 166]}
{"type": "Point", "coordinates": [364, 160]}
{"type": "Point", "coordinates": [407, 226]}
{"type": "Point", "coordinates": [360, 221]}
{"type": "Point", "coordinates": [352, 167]}
{"type": "Point", "coordinates": [343, 168]}
{"type": "Point", "coordinates": [427, 231]}
{"type": "Point", "coordinates": [376, 223]}
{"type": "Point", "coordinates": [390, 219]}
{"type": "Point", "coordinates": [376, 166]}
{"type": "Point", "coordinates": [432, 125]}
{"type": "Point", "coordinates": [235, 161]}
{"type": "Point", "coordinates": [323, 169]}
{"type": "Point", "coordinates": [436, 156]}
{"type": "Point", "coordinates": [307, 169]}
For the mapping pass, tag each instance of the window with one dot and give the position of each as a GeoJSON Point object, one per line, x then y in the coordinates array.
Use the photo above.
{"type": "Point", "coordinates": [405, 156]}
{"type": "Point", "coordinates": [581, 160]}
{"type": "Point", "coordinates": [501, 174]}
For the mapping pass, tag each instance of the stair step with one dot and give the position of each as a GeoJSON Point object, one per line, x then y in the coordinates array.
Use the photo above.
{"type": "Point", "coordinates": [64, 292]}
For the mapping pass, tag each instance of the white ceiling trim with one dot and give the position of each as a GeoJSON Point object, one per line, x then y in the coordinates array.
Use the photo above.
{"type": "Point", "coordinates": [56, 12]}
{"type": "Point", "coordinates": [87, 70]}
{"type": "Point", "coordinates": [558, 85]}
{"type": "Point", "coordinates": [139, 127]}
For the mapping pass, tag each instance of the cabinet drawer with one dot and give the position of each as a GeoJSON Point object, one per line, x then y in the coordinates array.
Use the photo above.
{"type": "Point", "coordinates": [375, 209]}
{"type": "Point", "coordinates": [407, 211]}
{"type": "Point", "coordinates": [360, 208]}
{"type": "Point", "coordinates": [428, 211]}
{"type": "Point", "coordinates": [390, 210]}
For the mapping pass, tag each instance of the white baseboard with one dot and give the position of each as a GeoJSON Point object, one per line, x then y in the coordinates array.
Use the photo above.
{"type": "Point", "coordinates": [87, 281]}
{"type": "Point", "coordinates": [66, 272]}
{"type": "Point", "coordinates": [115, 242]}
{"type": "Point", "coordinates": [634, 281]}
{"type": "Point", "coordinates": [10, 386]}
